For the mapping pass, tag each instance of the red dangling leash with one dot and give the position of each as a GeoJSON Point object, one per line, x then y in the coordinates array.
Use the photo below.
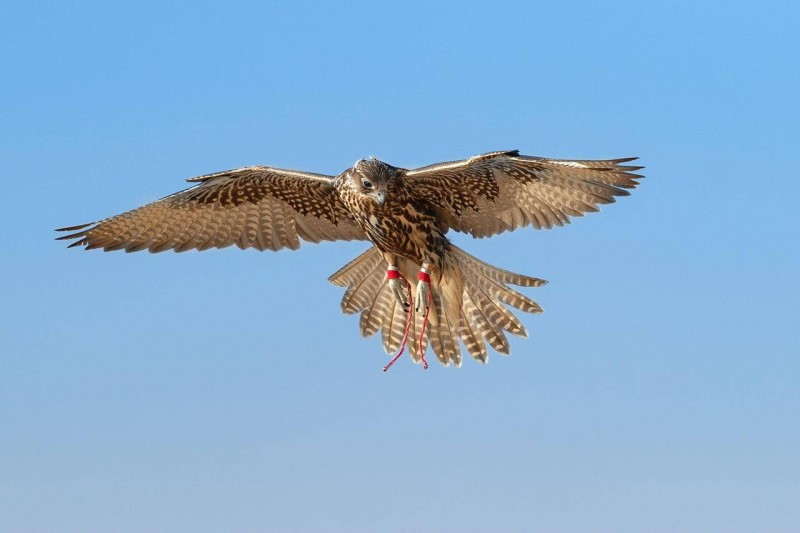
{"type": "Point", "coordinates": [424, 277]}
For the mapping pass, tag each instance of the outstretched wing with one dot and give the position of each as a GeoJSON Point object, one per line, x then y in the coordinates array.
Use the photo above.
{"type": "Point", "coordinates": [259, 207]}
{"type": "Point", "coordinates": [501, 191]}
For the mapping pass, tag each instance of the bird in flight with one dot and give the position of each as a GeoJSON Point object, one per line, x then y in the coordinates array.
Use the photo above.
{"type": "Point", "coordinates": [413, 285]}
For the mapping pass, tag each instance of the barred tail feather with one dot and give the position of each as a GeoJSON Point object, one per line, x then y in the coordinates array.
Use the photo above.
{"type": "Point", "coordinates": [393, 327]}
{"type": "Point", "coordinates": [469, 299]}
{"type": "Point", "coordinates": [362, 276]}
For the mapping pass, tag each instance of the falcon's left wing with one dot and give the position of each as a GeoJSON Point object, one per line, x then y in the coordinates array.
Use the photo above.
{"type": "Point", "coordinates": [259, 207]}
{"type": "Point", "coordinates": [501, 191]}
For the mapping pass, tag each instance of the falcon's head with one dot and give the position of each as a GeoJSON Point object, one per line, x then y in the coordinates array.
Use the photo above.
{"type": "Point", "coordinates": [370, 177]}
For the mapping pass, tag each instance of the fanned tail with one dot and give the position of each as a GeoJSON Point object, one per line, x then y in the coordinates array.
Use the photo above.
{"type": "Point", "coordinates": [469, 299]}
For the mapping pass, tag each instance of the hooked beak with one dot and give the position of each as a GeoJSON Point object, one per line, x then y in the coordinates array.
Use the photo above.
{"type": "Point", "coordinates": [380, 197]}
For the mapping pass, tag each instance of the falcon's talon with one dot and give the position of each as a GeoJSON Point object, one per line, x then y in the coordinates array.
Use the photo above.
{"type": "Point", "coordinates": [423, 296]}
{"type": "Point", "coordinates": [398, 289]}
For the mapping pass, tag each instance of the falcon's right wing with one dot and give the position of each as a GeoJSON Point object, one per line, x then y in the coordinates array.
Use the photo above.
{"type": "Point", "coordinates": [501, 191]}
{"type": "Point", "coordinates": [259, 207]}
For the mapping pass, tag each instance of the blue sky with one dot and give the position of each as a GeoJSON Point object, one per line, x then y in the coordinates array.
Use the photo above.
{"type": "Point", "coordinates": [224, 391]}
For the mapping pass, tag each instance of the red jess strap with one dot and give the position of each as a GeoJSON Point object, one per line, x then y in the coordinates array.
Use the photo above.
{"type": "Point", "coordinates": [393, 273]}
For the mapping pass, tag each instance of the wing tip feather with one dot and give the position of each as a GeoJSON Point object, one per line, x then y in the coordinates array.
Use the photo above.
{"type": "Point", "coordinates": [73, 228]}
{"type": "Point", "coordinates": [78, 243]}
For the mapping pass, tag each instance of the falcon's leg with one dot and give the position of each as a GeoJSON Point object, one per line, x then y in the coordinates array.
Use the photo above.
{"type": "Point", "coordinates": [397, 283]}
{"type": "Point", "coordinates": [423, 296]}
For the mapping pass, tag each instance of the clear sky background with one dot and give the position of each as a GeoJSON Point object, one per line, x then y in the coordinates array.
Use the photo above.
{"type": "Point", "coordinates": [225, 391]}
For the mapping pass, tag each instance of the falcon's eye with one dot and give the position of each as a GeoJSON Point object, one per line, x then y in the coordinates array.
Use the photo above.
{"type": "Point", "coordinates": [367, 184]}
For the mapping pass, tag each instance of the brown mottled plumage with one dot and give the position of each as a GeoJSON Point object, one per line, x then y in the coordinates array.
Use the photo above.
{"type": "Point", "coordinates": [404, 213]}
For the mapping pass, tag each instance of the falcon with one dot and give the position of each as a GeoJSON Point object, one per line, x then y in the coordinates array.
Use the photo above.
{"type": "Point", "coordinates": [413, 285]}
